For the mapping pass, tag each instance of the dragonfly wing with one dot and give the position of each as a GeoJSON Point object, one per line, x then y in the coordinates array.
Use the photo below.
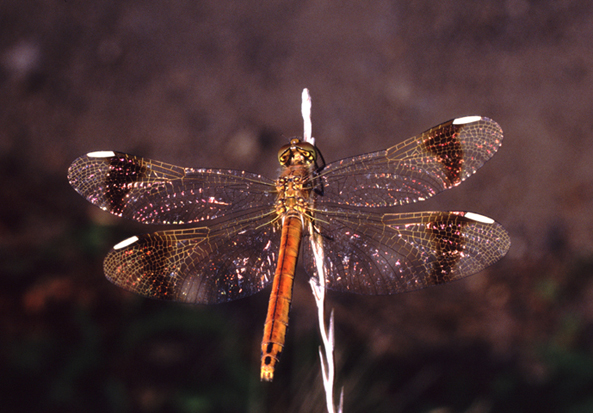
{"type": "Point", "coordinates": [377, 254]}
{"type": "Point", "coordinates": [198, 265]}
{"type": "Point", "coordinates": [413, 170]}
{"type": "Point", "coordinates": [154, 192]}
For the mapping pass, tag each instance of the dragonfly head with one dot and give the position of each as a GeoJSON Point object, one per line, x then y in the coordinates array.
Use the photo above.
{"type": "Point", "coordinates": [297, 153]}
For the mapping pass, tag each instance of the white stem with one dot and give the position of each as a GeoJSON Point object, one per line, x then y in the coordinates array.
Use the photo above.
{"type": "Point", "coordinates": [327, 335]}
{"type": "Point", "coordinates": [318, 284]}
{"type": "Point", "coordinates": [306, 112]}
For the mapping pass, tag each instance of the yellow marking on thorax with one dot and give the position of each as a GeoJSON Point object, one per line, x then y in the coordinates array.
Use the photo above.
{"type": "Point", "coordinates": [294, 192]}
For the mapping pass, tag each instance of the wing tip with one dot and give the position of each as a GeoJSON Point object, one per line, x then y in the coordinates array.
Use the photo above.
{"type": "Point", "coordinates": [126, 242]}
{"type": "Point", "coordinates": [479, 218]}
{"type": "Point", "coordinates": [101, 154]}
{"type": "Point", "coordinates": [466, 119]}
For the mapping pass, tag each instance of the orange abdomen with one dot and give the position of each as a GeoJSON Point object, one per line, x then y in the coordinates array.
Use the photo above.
{"type": "Point", "coordinates": [281, 297]}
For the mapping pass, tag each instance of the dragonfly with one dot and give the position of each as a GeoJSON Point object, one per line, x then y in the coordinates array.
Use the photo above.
{"type": "Point", "coordinates": [241, 232]}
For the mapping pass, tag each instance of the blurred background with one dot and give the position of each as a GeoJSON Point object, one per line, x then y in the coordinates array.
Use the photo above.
{"type": "Point", "coordinates": [218, 84]}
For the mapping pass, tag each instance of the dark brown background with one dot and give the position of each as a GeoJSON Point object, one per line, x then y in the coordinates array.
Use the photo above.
{"type": "Point", "coordinates": [218, 84]}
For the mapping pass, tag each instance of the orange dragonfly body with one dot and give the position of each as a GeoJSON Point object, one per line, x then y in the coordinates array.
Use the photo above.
{"type": "Point", "coordinates": [252, 227]}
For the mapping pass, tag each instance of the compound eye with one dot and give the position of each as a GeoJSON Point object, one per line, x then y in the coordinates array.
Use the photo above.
{"type": "Point", "coordinates": [284, 154]}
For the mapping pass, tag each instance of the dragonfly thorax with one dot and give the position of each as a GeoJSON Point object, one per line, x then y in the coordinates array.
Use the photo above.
{"type": "Point", "coordinates": [294, 191]}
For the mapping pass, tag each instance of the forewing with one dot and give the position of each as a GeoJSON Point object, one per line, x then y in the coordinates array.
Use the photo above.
{"type": "Point", "coordinates": [413, 170]}
{"type": "Point", "coordinates": [376, 254]}
{"type": "Point", "coordinates": [154, 192]}
{"type": "Point", "coordinates": [198, 265]}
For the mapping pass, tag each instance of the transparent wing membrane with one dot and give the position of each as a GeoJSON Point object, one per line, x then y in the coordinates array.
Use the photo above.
{"type": "Point", "coordinates": [375, 254]}
{"type": "Point", "coordinates": [198, 265]}
{"type": "Point", "coordinates": [154, 192]}
{"type": "Point", "coordinates": [413, 170]}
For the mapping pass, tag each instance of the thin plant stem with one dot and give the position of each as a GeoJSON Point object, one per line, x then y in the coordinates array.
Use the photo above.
{"type": "Point", "coordinates": [306, 112]}
{"type": "Point", "coordinates": [326, 355]}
